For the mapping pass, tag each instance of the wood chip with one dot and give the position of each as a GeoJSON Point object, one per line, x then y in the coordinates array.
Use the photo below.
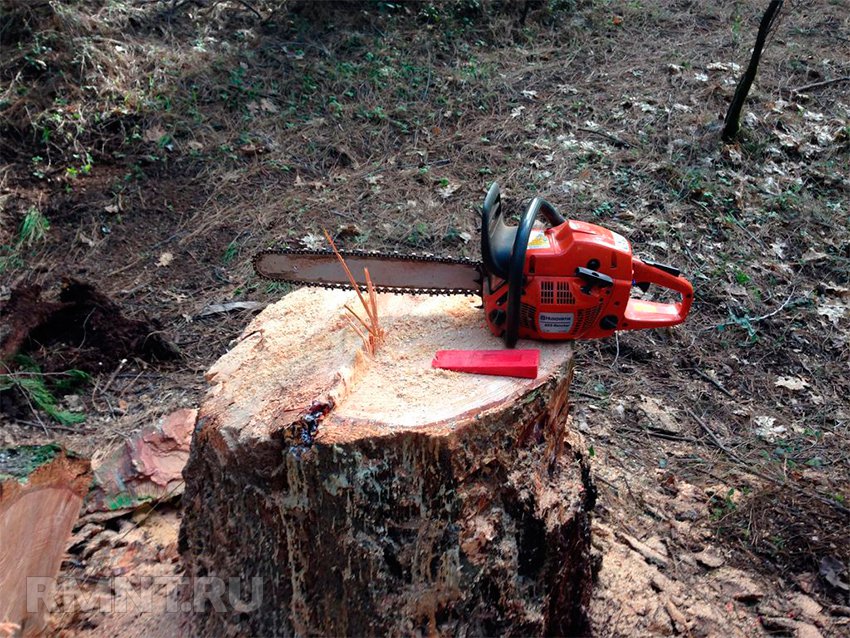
{"type": "Point", "coordinates": [651, 556]}
{"type": "Point", "coordinates": [709, 558]}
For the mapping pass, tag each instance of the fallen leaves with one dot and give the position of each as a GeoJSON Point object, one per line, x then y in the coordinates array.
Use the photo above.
{"type": "Point", "coordinates": [264, 105]}
{"type": "Point", "coordinates": [448, 189]}
{"type": "Point", "coordinates": [314, 184]}
{"type": "Point", "coordinates": [709, 558]}
{"type": "Point", "coordinates": [767, 429]}
{"type": "Point", "coordinates": [154, 134]}
{"type": "Point", "coordinates": [311, 241]}
{"type": "Point", "coordinates": [833, 312]}
{"type": "Point", "coordinates": [794, 384]}
{"type": "Point", "coordinates": [659, 416]}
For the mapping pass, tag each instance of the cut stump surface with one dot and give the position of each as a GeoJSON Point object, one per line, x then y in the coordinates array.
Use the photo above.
{"type": "Point", "coordinates": [378, 495]}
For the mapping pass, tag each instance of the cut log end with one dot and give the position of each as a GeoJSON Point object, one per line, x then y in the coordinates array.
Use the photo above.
{"type": "Point", "coordinates": [41, 491]}
{"type": "Point", "coordinates": [378, 495]}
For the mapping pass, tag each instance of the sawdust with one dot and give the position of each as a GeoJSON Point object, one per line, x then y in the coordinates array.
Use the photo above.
{"type": "Point", "coordinates": [399, 385]}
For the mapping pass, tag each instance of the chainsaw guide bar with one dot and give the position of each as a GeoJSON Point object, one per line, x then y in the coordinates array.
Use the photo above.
{"type": "Point", "coordinates": [394, 272]}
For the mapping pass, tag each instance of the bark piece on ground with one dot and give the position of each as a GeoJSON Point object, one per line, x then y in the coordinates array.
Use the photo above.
{"type": "Point", "coordinates": [146, 468]}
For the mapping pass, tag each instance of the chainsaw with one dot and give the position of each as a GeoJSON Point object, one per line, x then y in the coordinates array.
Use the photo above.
{"type": "Point", "coordinates": [570, 280]}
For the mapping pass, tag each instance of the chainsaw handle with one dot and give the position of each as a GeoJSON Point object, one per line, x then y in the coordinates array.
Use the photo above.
{"type": "Point", "coordinates": [516, 267]}
{"type": "Point", "coordinates": [498, 240]}
{"type": "Point", "coordinates": [641, 314]}
{"type": "Point", "coordinates": [496, 236]}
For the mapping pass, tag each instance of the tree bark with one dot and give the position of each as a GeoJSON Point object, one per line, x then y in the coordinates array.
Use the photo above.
{"type": "Point", "coordinates": [378, 496]}
{"type": "Point", "coordinates": [41, 491]}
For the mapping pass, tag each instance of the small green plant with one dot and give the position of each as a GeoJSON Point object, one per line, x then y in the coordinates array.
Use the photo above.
{"type": "Point", "coordinates": [376, 114]}
{"type": "Point", "coordinates": [741, 277]}
{"type": "Point", "coordinates": [230, 252]}
{"type": "Point", "coordinates": [737, 23]}
{"type": "Point", "coordinates": [37, 166]}
{"type": "Point", "coordinates": [418, 235]}
{"type": "Point", "coordinates": [9, 258]}
{"type": "Point", "coordinates": [33, 228]}
{"type": "Point", "coordinates": [603, 210]}
{"type": "Point", "coordinates": [32, 383]}
{"type": "Point", "coordinates": [278, 288]}
{"type": "Point", "coordinates": [721, 506]}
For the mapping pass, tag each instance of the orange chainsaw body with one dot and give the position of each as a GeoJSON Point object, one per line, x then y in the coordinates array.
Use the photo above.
{"type": "Point", "coordinates": [576, 281]}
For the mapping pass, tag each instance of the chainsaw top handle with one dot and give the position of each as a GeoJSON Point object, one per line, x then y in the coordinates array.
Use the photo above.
{"type": "Point", "coordinates": [503, 250]}
{"type": "Point", "coordinates": [498, 239]}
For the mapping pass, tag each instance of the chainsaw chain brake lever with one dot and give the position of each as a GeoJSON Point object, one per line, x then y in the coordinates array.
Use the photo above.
{"type": "Point", "coordinates": [498, 239]}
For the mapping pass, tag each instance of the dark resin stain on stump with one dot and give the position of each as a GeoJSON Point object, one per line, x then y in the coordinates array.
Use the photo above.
{"type": "Point", "coordinates": [429, 502]}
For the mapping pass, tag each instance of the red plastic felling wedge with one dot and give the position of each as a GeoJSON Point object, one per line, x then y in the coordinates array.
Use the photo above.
{"type": "Point", "coordinates": [505, 363]}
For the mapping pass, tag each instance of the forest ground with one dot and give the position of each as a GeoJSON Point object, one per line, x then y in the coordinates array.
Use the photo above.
{"type": "Point", "coordinates": [151, 148]}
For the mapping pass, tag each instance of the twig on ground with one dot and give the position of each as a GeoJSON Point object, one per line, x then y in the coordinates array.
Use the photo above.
{"type": "Point", "coordinates": [659, 434]}
{"type": "Point", "coordinates": [589, 395]}
{"type": "Point", "coordinates": [819, 85]}
{"type": "Point", "coordinates": [713, 381]}
{"type": "Point", "coordinates": [752, 320]}
{"type": "Point", "coordinates": [617, 355]}
{"type": "Point", "coordinates": [713, 436]}
{"type": "Point", "coordinates": [783, 482]}
{"type": "Point", "coordinates": [611, 138]}
{"type": "Point", "coordinates": [53, 426]}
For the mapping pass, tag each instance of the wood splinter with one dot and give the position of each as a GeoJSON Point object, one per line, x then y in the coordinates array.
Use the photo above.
{"type": "Point", "coordinates": [374, 334]}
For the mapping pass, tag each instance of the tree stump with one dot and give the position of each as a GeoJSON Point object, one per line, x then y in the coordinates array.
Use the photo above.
{"type": "Point", "coordinates": [41, 491]}
{"type": "Point", "coordinates": [377, 495]}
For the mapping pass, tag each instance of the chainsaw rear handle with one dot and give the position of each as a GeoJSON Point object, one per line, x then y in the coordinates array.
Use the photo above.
{"type": "Point", "coordinates": [503, 250]}
{"type": "Point", "coordinates": [641, 314]}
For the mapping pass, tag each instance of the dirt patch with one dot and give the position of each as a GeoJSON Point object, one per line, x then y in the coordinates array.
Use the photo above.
{"type": "Point", "coordinates": [84, 330]}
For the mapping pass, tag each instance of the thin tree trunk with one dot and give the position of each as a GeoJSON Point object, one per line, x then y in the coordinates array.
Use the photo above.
{"type": "Point", "coordinates": [732, 123]}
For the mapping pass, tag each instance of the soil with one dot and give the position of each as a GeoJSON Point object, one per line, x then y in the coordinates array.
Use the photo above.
{"type": "Point", "coordinates": [165, 143]}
